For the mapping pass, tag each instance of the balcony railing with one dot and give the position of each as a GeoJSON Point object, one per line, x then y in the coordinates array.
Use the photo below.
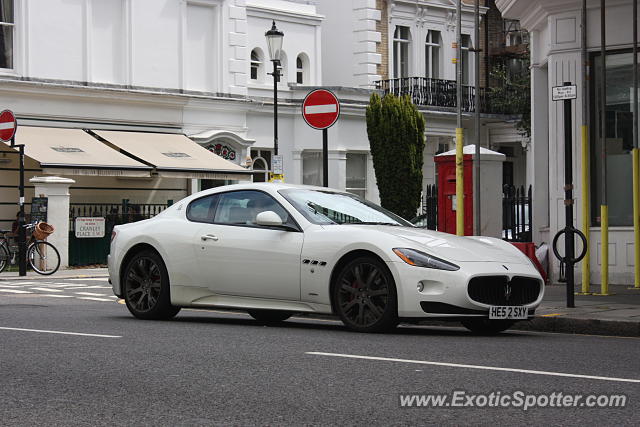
{"type": "Point", "coordinates": [442, 93]}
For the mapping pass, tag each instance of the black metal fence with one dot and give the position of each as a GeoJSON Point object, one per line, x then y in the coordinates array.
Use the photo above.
{"type": "Point", "coordinates": [516, 214]}
{"type": "Point", "coordinates": [89, 251]}
{"type": "Point", "coordinates": [430, 207]}
{"type": "Point", "coordinates": [442, 93]}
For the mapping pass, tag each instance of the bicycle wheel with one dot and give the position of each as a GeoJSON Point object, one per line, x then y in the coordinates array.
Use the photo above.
{"type": "Point", "coordinates": [4, 258]}
{"type": "Point", "coordinates": [43, 257]}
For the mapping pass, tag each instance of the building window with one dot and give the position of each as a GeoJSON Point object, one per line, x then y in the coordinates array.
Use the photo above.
{"type": "Point", "coordinates": [401, 40]}
{"type": "Point", "coordinates": [261, 161]}
{"type": "Point", "coordinates": [619, 138]}
{"type": "Point", "coordinates": [6, 34]}
{"type": "Point", "coordinates": [433, 49]}
{"type": "Point", "coordinates": [357, 174]}
{"type": "Point", "coordinates": [465, 62]}
{"type": "Point", "coordinates": [256, 65]}
{"type": "Point", "coordinates": [299, 71]}
{"type": "Point", "coordinates": [302, 69]}
{"type": "Point", "coordinates": [312, 168]}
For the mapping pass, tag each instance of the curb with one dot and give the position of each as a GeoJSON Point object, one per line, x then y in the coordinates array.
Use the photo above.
{"type": "Point", "coordinates": [40, 277]}
{"type": "Point", "coordinates": [571, 325]}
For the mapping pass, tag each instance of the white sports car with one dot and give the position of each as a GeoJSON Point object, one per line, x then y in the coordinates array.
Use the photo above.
{"type": "Point", "coordinates": [278, 249]}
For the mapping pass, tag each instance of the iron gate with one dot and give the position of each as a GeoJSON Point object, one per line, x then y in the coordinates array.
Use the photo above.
{"type": "Point", "coordinates": [90, 251]}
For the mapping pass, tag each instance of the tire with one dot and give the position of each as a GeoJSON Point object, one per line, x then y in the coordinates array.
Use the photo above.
{"type": "Point", "coordinates": [43, 258]}
{"type": "Point", "coordinates": [4, 258]}
{"type": "Point", "coordinates": [481, 326]}
{"type": "Point", "coordinates": [270, 316]}
{"type": "Point", "coordinates": [364, 296]}
{"type": "Point", "coordinates": [146, 287]}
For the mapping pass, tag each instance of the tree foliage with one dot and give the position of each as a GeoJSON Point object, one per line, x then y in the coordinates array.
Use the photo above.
{"type": "Point", "coordinates": [511, 92]}
{"type": "Point", "coordinates": [396, 137]}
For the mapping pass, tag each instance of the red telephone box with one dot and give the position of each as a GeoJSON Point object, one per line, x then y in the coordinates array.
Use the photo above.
{"type": "Point", "coordinates": [446, 167]}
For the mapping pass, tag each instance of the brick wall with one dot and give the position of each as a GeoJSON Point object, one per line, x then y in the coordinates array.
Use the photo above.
{"type": "Point", "coordinates": [383, 47]}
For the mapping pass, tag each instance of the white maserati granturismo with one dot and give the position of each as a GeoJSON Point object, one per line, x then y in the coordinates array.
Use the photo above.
{"type": "Point", "coordinates": [278, 249]}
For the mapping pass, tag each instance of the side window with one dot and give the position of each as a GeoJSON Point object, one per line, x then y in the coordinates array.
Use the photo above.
{"type": "Point", "coordinates": [242, 207]}
{"type": "Point", "coordinates": [202, 209]}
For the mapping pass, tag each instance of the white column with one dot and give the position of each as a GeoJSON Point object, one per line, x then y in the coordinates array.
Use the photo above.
{"type": "Point", "coordinates": [56, 189]}
{"type": "Point", "coordinates": [337, 169]}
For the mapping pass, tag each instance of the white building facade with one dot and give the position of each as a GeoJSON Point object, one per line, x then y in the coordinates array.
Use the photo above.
{"type": "Point", "coordinates": [556, 42]}
{"type": "Point", "coordinates": [200, 68]}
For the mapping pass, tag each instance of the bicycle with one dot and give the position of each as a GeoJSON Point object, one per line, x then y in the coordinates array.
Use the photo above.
{"type": "Point", "coordinates": [42, 256]}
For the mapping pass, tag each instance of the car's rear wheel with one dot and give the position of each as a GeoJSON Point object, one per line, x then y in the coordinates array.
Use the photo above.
{"type": "Point", "coordinates": [364, 296]}
{"type": "Point", "coordinates": [482, 326]}
{"type": "Point", "coordinates": [270, 316]}
{"type": "Point", "coordinates": [146, 287]}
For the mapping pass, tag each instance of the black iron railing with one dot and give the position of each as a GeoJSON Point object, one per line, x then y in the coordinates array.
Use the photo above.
{"type": "Point", "coordinates": [442, 93]}
{"type": "Point", "coordinates": [516, 214]}
{"type": "Point", "coordinates": [430, 207]}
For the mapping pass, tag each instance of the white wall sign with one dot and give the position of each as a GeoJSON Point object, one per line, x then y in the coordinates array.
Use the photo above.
{"type": "Point", "coordinates": [90, 227]}
{"type": "Point", "coordinates": [276, 164]}
{"type": "Point", "coordinates": [560, 93]}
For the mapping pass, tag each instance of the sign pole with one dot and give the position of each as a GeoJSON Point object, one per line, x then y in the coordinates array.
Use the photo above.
{"type": "Point", "coordinates": [22, 232]}
{"type": "Point", "coordinates": [568, 198]}
{"type": "Point", "coordinates": [325, 157]}
{"type": "Point", "coordinates": [321, 109]}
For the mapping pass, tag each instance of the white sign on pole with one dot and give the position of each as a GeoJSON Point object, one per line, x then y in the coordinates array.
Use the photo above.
{"type": "Point", "coordinates": [276, 164]}
{"type": "Point", "coordinates": [560, 93]}
{"type": "Point", "coordinates": [90, 227]}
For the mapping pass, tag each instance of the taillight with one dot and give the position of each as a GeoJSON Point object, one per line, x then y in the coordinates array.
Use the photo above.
{"type": "Point", "coordinates": [113, 235]}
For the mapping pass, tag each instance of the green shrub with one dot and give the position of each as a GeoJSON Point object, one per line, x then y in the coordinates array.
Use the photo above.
{"type": "Point", "coordinates": [395, 129]}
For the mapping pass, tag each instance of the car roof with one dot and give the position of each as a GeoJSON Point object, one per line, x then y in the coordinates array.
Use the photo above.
{"type": "Point", "coordinates": [266, 186]}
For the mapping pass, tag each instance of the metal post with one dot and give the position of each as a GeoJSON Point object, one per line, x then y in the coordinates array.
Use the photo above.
{"type": "Point", "coordinates": [325, 157]}
{"type": "Point", "coordinates": [584, 170]}
{"type": "Point", "coordinates": [276, 78]}
{"type": "Point", "coordinates": [568, 197]}
{"type": "Point", "coordinates": [635, 157]}
{"type": "Point", "coordinates": [476, 163]}
{"type": "Point", "coordinates": [22, 232]}
{"type": "Point", "coordinates": [604, 209]}
{"type": "Point", "coordinates": [459, 131]}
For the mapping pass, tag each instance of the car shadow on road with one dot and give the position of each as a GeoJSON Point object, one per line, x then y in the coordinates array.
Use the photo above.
{"type": "Point", "coordinates": [327, 324]}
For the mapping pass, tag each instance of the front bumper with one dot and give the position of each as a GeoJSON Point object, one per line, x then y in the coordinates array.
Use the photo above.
{"type": "Point", "coordinates": [445, 294]}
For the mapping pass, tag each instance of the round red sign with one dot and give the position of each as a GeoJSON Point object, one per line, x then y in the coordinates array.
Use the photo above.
{"type": "Point", "coordinates": [320, 109]}
{"type": "Point", "coordinates": [7, 125]}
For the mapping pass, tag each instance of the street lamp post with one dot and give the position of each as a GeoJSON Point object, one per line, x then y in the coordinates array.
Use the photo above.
{"type": "Point", "coordinates": [274, 43]}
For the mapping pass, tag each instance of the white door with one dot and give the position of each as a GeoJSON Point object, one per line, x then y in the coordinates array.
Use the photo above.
{"type": "Point", "coordinates": [238, 257]}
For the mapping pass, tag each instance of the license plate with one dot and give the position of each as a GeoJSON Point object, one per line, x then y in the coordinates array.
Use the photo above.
{"type": "Point", "coordinates": [507, 312]}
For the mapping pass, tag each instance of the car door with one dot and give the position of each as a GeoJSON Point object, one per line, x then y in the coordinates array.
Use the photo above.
{"type": "Point", "coordinates": [238, 257]}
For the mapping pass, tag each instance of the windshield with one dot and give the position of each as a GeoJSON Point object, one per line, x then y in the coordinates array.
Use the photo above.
{"type": "Point", "coordinates": [327, 207]}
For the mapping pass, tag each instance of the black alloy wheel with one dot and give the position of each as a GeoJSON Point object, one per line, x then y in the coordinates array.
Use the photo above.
{"type": "Point", "coordinates": [146, 287]}
{"type": "Point", "coordinates": [364, 296]}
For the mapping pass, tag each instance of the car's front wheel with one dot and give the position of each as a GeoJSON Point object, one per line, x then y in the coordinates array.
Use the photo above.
{"type": "Point", "coordinates": [487, 327]}
{"type": "Point", "coordinates": [146, 287]}
{"type": "Point", "coordinates": [364, 296]}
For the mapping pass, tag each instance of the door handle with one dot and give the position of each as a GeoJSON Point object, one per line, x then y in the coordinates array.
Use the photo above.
{"type": "Point", "coordinates": [209, 237]}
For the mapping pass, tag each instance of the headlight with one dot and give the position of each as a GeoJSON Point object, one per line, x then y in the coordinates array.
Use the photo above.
{"type": "Point", "coordinates": [420, 259]}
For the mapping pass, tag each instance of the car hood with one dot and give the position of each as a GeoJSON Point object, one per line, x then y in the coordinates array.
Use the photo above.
{"type": "Point", "coordinates": [452, 247]}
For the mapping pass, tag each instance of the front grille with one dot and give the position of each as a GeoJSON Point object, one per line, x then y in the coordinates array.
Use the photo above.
{"type": "Point", "coordinates": [498, 290]}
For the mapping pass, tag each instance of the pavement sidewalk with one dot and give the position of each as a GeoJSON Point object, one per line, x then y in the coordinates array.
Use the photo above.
{"type": "Point", "coordinates": [617, 314]}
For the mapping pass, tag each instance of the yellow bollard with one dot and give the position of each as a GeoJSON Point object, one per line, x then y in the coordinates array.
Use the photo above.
{"type": "Point", "coordinates": [604, 249]}
{"type": "Point", "coordinates": [636, 215]}
{"type": "Point", "coordinates": [459, 182]}
{"type": "Point", "coordinates": [586, 222]}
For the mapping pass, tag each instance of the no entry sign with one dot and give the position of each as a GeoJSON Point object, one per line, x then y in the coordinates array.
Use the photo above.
{"type": "Point", "coordinates": [7, 125]}
{"type": "Point", "coordinates": [320, 109]}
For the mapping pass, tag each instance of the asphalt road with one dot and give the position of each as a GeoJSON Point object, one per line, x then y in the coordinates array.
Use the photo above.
{"type": "Point", "coordinates": [223, 368]}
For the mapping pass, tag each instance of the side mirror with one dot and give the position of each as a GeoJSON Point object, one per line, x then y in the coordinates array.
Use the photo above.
{"type": "Point", "coordinates": [268, 218]}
